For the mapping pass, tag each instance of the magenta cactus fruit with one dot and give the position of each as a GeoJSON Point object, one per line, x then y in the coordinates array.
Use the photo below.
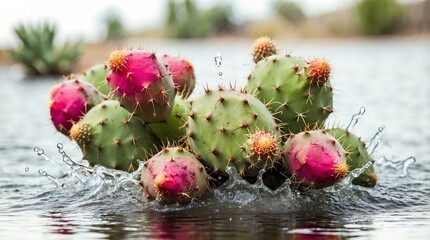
{"type": "Point", "coordinates": [315, 159]}
{"type": "Point", "coordinates": [263, 47]}
{"type": "Point", "coordinates": [174, 175]}
{"type": "Point", "coordinates": [70, 100]}
{"type": "Point", "coordinates": [142, 84]}
{"type": "Point", "coordinates": [182, 72]}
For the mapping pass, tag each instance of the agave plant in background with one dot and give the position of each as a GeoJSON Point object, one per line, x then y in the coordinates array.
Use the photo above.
{"type": "Point", "coordinates": [38, 54]}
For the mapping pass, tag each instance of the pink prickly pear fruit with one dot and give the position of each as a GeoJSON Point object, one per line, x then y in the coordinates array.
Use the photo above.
{"type": "Point", "coordinates": [315, 158]}
{"type": "Point", "coordinates": [70, 100]}
{"type": "Point", "coordinates": [142, 84]}
{"type": "Point", "coordinates": [182, 72]}
{"type": "Point", "coordinates": [319, 71]}
{"type": "Point", "coordinates": [174, 175]}
{"type": "Point", "coordinates": [263, 47]}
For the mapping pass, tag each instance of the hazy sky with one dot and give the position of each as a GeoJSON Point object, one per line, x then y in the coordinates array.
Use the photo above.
{"type": "Point", "coordinates": [79, 19]}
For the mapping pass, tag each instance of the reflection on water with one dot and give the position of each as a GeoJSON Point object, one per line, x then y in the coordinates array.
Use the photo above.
{"type": "Point", "coordinates": [52, 193]}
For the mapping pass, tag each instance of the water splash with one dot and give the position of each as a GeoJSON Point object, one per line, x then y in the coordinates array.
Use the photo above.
{"type": "Point", "coordinates": [79, 171]}
{"type": "Point", "coordinates": [51, 178]}
{"type": "Point", "coordinates": [355, 118]}
{"type": "Point", "coordinates": [346, 183]}
{"type": "Point", "coordinates": [98, 178]}
{"type": "Point", "coordinates": [109, 185]}
{"type": "Point", "coordinates": [375, 140]}
{"type": "Point", "coordinates": [41, 152]}
{"type": "Point", "coordinates": [403, 164]}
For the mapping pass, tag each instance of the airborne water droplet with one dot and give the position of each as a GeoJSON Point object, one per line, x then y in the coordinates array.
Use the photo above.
{"type": "Point", "coordinates": [355, 117]}
{"type": "Point", "coordinates": [218, 62]}
{"type": "Point", "coordinates": [218, 59]}
{"type": "Point", "coordinates": [27, 169]}
{"type": "Point", "coordinates": [375, 140]}
{"type": "Point", "coordinates": [50, 177]}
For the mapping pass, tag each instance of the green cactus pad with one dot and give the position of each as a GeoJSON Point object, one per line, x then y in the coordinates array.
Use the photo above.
{"type": "Point", "coordinates": [173, 129]}
{"type": "Point", "coordinates": [96, 75]}
{"type": "Point", "coordinates": [110, 136]}
{"type": "Point", "coordinates": [219, 127]}
{"type": "Point", "coordinates": [282, 83]}
{"type": "Point", "coordinates": [357, 156]}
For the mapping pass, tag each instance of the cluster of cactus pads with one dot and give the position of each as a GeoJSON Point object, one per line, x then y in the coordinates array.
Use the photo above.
{"type": "Point", "coordinates": [136, 107]}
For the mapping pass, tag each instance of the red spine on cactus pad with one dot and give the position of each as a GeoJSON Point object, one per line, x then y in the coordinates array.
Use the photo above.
{"type": "Point", "coordinates": [182, 73]}
{"type": "Point", "coordinates": [142, 84]}
{"type": "Point", "coordinates": [174, 175]}
{"type": "Point", "coordinates": [319, 71]}
{"type": "Point", "coordinates": [315, 158]}
{"type": "Point", "coordinates": [70, 100]}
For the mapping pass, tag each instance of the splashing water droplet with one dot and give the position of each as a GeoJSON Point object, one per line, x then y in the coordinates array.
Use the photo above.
{"type": "Point", "coordinates": [218, 62]}
{"type": "Point", "coordinates": [407, 162]}
{"type": "Point", "coordinates": [50, 177]}
{"type": "Point", "coordinates": [397, 164]}
{"type": "Point", "coordinates": [41, 152]}
{"type": "Point", "coordinates": [347, 181]}
{"type": "Point", "coordinates": [355, 117]}
{"type": "Point", "coordinates": [218, 59]}
{"type": "Point", "coordinates": [375, 140]}
{"type": "Point", "coordinates": [27, 169]}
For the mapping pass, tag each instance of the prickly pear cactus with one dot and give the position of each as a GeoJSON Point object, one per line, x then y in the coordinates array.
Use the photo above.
{"type": "Point", "coordinates": [111, 136]}
{"type": "Point", "coordinates": [315, 158]}
{"type": "Point", "coordinates": [174, 175]}
{"type": "Point", "coordinates": [173, 129]}
{"type": "Point", "coordinates": [356, 156]}
{"type": "Point", "coordinates": [263, 47]}
{"type": "Point", "coordinates": [142, 84]}
{"type": "Point", "coordinates": [182, 73]}
{"type": "Point", "coordinates": [96, 75]}
{"type": "Point", "coordinates": [286, 84]}
{"type": "Point", "coordinates": [70, 100]}
{"type": "Point", "coordinates": [228, 128]}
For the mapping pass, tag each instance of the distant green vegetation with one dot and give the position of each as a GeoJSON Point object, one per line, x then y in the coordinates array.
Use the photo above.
{"type": "Point", "coordinates": [114, 26]}
{"type": "Point", "coordinates": [186, 20]}
{"type": "Point", "coordinates": [37, 53]}
{"type": "Point", "coordinates": [289, 10]}
{"type": "Point", "coordinates": [376, 17]}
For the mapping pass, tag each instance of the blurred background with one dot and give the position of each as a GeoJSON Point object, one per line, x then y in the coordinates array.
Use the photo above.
{"type": "Point", "coordinates": [379, 53]}
{"type": "Point", "coordinates": [93, 28]}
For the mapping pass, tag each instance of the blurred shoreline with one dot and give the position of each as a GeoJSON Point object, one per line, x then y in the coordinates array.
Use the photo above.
{"type": "Point", "coordinates": [95, 53]}
{"type": "Point", "coordinates": [287, 25]}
